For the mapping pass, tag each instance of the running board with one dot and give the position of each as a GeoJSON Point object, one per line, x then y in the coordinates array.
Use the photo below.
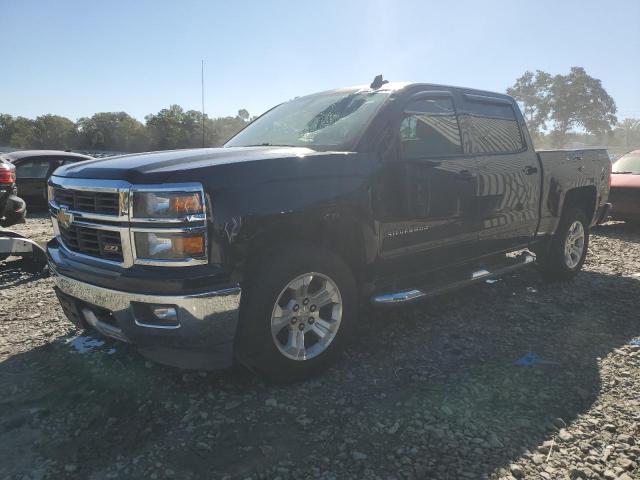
{"type": "Point", "coordinates": [413, 294]}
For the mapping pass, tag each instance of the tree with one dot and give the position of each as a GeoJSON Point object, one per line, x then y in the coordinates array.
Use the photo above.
{"type": "Point", "coordinates": [579, 100]}
{"type": "Point", "coordinates": [627, 134]}
{"type": "Point", "coordinates": [166, 128]}
{"type": "Point", "coordinates": [53, 131]}
{"type": "Point", "coordinates": [112, 131]}
{"type": "Point", "coordinates": [227, 127]}
{"type": "Point", "coordinates": [243, 115]}
{"type": "Point", "coordinates": [170, 128]}
{"type": "Point", "coordinates": [23, 135]}
{"type": "Point", "coordinates": [532, 91]}
{"type": "Point", "coordinates": [7, 127]}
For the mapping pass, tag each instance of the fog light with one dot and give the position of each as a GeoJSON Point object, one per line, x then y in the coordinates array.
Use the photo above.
{"type": "Point", "coordinates": [166, 314]}
{"type": "Point", "coordinates": [155, 316]}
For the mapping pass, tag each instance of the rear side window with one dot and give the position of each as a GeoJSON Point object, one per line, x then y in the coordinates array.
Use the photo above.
{"type": "Point", "coordinates": [429, 128]}
{"type": "Point", "coordinates": [490, 127]}
{"type": "Point", "coordinates": [33, 168]}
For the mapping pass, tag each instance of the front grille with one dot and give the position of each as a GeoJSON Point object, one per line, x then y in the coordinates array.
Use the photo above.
{"type": "Point", "coordinates": [106, 203]}
{"type": "Point", "coordinates": [95, 242]}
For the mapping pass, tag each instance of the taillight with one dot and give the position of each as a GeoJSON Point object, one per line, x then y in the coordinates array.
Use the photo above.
{"type": "Point", "coordinates": [7, 173]}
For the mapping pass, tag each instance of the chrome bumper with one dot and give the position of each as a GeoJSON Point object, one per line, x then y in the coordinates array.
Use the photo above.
{"type": "Point", "coordinates": [206, 321]}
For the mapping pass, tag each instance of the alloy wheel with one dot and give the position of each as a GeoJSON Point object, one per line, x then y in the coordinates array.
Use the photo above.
{"type": "Point", "coordinates": [306, 316]}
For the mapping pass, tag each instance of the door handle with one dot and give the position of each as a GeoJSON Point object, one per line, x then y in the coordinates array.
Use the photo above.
{"type": "Point", "coordinates": [464, 175]}
{"type": "Point", "coordinates": [529, 170]}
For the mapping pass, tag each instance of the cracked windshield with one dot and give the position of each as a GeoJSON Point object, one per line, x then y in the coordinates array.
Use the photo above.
{"type": "Point", "coordinates": [318, 121]}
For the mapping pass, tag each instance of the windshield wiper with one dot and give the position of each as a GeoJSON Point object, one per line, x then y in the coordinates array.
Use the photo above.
{"type": "Point", "coordinates": [622, 172]}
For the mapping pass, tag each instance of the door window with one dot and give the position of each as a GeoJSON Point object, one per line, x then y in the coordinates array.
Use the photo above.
{"type": "Point", "coordinates": [490, 127]}
{"type": "Point", "coordinates": [33, 168]}
{"type": "Point", "coordinates": [429, 128]}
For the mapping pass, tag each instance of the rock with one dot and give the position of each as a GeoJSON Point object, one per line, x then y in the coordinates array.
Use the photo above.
{"type": "Point", "coordinates": [565, 436]}
{"type": "Point", "coordinates": [626, 463]}
{"type": "Point", "coordinates": [546, 446]}
{"type": "Point", "coordinates": [394, 428]}
{"type": "Point", "coordinates": [538, 459]}
{"type": "Point", "coordinates": [516, 470]}
{"type": "Point", "coordinates": [446, 410]}
{"type": "Point", "coordinates": [231, 405]}
{"type": "Point", "coordinates": [578, 474]}
{"type": "Point", "coordinates": [358, 456]}
{"type": "Point", "coordinates": [624, 438]}
{"type": "Point", "coordinates": [493, 441]}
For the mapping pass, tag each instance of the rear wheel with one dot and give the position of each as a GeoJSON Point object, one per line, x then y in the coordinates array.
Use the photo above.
{"type": "Point", "coordinates": [297, 314]}
{"type": "Point", "coordinates": [568, 249]}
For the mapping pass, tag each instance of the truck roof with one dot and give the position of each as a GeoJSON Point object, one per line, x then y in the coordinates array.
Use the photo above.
{"type": "Point", "coordinates": [398, 86]}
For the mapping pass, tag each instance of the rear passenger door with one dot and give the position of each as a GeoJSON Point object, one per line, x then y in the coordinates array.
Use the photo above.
{"type": "Point", "coordinates": [508, 174]}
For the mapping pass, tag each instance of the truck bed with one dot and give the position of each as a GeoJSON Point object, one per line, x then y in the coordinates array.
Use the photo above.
{"type": "Point", "coordinates": [564, 170]}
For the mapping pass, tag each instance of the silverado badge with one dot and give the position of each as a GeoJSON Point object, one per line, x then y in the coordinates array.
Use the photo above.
{"type": "Point", "coordinates": [64, 217]}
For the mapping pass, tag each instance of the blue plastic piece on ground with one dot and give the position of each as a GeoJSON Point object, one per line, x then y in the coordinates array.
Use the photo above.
{"type": "Point", "coordinates": [533, 359]}
{"type": "Point", "coordinates": [529, 359]}
{"type": "Point", "coordinates": [635, 341]}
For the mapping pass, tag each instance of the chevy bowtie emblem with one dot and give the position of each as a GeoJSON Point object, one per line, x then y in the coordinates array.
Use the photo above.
{"type": "Point", "coordinates": [64, 217]}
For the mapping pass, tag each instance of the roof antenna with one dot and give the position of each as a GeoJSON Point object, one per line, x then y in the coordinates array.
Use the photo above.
{"type": "Point", "coordinates": [378, 82]}
{"type": "Point", "coordinates": [202, 86]}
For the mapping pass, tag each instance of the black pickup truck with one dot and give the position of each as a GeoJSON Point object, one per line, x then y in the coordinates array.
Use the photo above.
{"type": "Point", "coordinates": [266, 249]}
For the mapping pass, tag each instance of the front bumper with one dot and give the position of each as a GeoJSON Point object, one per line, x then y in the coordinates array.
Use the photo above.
{"type": "Point", "coordinates": [206, 322]}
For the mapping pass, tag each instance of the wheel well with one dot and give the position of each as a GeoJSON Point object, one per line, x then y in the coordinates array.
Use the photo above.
{"type": "Point", "coordinates": [583, 198]}
{"type": "Point", "coordinates": [340, 238]}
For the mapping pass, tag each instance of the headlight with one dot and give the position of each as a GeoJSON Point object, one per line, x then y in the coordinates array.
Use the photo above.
{"type": "Point", "coordinates": [161, 205]}
{"type": "Point", "coordinates": [170, 246]}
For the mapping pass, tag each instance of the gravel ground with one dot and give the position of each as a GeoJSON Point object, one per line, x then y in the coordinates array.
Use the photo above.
{"type": "Point", "coordinates": [434, 391]}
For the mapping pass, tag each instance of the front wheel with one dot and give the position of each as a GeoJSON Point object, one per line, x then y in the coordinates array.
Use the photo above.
{"type": "Point", "coordinates": [568, 249]}
{"type": "Point", "coordinates": [300, 308]}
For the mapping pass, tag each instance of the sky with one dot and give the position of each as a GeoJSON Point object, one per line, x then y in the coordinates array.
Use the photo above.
{"type": "Point", "coordinates": [75, 58]}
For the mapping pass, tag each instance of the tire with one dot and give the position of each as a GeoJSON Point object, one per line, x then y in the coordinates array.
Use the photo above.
{"type": "Point", "coordinates": [278, 315]}
{"type": "Point", "coordinates": [558, 264]}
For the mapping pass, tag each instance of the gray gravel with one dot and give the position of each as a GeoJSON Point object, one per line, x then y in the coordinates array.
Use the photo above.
{"type": "Point", "coordinates": [431, 392]}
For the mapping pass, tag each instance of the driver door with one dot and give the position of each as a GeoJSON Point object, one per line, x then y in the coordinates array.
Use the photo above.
{"type": "Point", "coordinates": [435, 188]}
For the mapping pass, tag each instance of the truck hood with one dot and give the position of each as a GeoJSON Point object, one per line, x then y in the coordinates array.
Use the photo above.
{"type": "Point", "coordinates": [152, 167]}
{"type": "Point", "coordinates": [625, 180]}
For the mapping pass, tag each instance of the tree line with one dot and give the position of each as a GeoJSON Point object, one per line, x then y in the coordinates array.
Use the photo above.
{"type": "Point", "coordinates": [170, 128]}
{"type": "Point", "coordinates": [560, 110]}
